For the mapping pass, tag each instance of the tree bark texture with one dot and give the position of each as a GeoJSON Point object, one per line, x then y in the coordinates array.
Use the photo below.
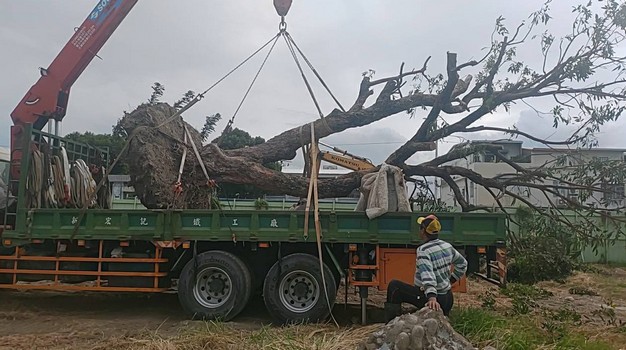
{"type": "Point", "coordinates": [156, 148]}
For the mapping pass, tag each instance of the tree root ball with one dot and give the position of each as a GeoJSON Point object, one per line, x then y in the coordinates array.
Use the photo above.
{"type": "Point", "coordinates": [154, 155]}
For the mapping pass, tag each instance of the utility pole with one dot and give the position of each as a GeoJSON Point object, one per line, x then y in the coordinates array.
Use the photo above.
{"type": "Point", "coordinates": [437, 189]}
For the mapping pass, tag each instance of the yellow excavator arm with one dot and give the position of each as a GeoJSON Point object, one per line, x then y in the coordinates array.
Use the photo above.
{"type": "Point", "coordinates": [345, 159]}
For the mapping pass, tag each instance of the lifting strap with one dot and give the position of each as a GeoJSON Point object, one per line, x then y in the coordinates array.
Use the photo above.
{"type": "Point", "coordinates": [67, 181]}
{"type": "Point", "coordinates": [50, 199]}
{"type": "Point", "coordinates": [195, 150]}
{"type": "Point", "coordinates": [34, 182]}
{"type": "Point", "coordinates": [313, 190]}
{"type": "Point", "coordinates": [178, 186]}
{"type": "Point", "coordinates": [59, 181]}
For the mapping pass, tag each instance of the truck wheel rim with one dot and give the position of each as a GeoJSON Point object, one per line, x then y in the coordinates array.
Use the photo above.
{"type": "Point", "coordinates": [213, 287]}
{"type": "Point", "coordinates": [299, 291]}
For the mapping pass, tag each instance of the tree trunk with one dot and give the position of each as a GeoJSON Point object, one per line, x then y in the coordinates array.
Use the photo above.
{"type": "Point", "coordinates": [156, 148]}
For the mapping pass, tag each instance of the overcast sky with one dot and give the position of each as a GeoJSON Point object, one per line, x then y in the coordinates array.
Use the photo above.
{"type": "Point", "coordinates": [189, 44]}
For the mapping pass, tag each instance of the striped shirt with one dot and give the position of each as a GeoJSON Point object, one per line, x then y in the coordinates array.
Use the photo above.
{"type": "Point", "coordinates": [433, 271]}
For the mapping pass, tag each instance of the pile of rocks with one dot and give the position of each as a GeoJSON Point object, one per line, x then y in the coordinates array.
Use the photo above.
{"type": "Point", "coordinates": [423, 330]}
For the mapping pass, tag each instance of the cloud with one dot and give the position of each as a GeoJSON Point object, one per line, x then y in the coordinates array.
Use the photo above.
{"type": "Point", "coordinates": [191, 44]}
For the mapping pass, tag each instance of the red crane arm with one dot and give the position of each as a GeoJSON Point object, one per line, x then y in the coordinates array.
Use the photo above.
{"type": "Point", "coordinates": [48, 98]}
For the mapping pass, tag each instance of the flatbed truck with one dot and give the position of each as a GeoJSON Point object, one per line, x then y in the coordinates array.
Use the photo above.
{"type": "Point", "coordinates": [217, 259]}
{"type": "Point", "coordinates": [214, 259]}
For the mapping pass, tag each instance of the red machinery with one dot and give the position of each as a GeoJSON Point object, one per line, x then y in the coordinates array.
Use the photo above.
{"type": "Point", "coordinates": [47, 99]}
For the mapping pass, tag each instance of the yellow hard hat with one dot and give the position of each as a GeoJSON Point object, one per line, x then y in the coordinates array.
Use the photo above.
{"type": "Point", "coordinates": [430, 223]}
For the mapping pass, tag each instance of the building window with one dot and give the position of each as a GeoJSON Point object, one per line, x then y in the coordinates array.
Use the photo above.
{"type": "Point", "coordinates": [521, 191]}
{"type": "Point", "coordinates": [613, 192]}
{"type": "Point", "coordinates": [601, 159]}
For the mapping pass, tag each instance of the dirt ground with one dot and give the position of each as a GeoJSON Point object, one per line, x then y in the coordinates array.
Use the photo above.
{"type": "Point", "coordinates": [55, 320]}
{"type": "Point", "coordinates": [593, 295]}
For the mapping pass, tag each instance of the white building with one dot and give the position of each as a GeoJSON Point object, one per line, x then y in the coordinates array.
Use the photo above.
{"type": "Point", "coordinates": [487, 165]}
{"type": "Point", "coordinates": [120, 187]}
{"type": "Point", "coordinates": [4, 176]}
{"type": "Point", "coordinates": [5, 158]}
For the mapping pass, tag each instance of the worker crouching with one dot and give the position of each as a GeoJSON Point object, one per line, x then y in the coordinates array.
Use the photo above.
{"type": "Point", "coordinates": [438, 266]}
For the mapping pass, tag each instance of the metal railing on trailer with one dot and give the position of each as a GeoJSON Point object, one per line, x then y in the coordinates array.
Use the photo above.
{"type": "Point", "coordinates": [84, 273]}
{"type": "Point", "coordinates": [36, 140]}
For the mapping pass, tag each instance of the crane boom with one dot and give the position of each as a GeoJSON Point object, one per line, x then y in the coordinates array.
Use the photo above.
{"type": "Point", "coordinates": [48, 98]}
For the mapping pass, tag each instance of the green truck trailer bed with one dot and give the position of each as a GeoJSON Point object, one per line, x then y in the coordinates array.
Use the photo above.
{"type": "Point", "coordinates": [286, 226]}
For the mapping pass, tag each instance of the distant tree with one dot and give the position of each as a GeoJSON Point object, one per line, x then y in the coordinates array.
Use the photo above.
{"type": "Point", "coordinates": [238, 138]}
{"type": "Point", "coordinates": [113, 144]}
{"type": "Point", "coordinates": [188, 96]}
{"type": "Point", "coordinates": [118, 130]}
{"type": "Point", "coordinates": [157, 92]}
{"type": "Point", "coordinates": [209, 125]}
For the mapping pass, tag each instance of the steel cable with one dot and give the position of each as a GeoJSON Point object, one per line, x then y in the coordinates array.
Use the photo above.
{"type": "Point", "coordinates": [319, 77]}
{"type": "Point", "coordinates": [170, 119]}
{"type": "Point", "coordinates": [232, 119]}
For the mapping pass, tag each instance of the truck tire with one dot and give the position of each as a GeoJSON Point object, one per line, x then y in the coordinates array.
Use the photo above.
{"type": "Point", "coordinates": [293, 290]}
{"type": "Point", "coordinates": [216, 288]}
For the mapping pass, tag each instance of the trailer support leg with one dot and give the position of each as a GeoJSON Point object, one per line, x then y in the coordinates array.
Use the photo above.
{"type": "Point", "coordinates": [363, 293]}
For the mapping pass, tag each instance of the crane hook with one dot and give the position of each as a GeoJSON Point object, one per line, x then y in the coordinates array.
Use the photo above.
{"type": "Point", "coordinates": [282, 7]}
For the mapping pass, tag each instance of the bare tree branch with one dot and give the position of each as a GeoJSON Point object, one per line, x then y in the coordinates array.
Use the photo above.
{"type": "Point", "coordinates": [526, 135]}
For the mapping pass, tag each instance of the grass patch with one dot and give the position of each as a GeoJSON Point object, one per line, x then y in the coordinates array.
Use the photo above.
{"type": "Point", "coordinates": [516, 290]}
{"type": "Point", "coordinates": [524, 297]}
{"type": "Point", "coordinates": [484, 327]}
{"type": "Point", "coordinates": [212, 335]}
{"type": "Point", "coordinates": [582, 291]}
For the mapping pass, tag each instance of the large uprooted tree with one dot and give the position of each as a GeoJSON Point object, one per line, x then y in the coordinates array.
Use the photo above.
{"type": "Point", "coordinates": [582, 74]}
